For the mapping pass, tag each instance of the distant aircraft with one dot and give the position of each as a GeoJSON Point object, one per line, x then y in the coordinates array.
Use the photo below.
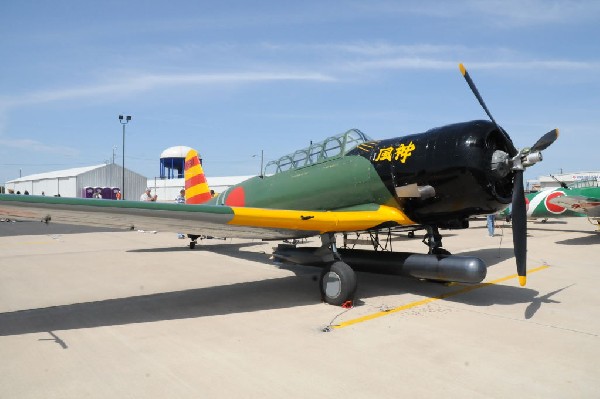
{"type": "Point", "coordinates": [348, 183]}
{"type": "Point", "coordinates": [581, 199]}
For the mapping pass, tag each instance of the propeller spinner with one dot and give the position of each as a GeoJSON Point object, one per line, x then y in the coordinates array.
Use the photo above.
{"type": "Point", "coordinates": [525, 158]}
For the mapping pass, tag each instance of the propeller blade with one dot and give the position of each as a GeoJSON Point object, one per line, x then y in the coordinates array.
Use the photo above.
{"type": "Point", "coordinates": [519, 227]}
{"type": "Point", "coordinates": [465, 74]}
{"type": "Point", "coordinates": [545, 141]}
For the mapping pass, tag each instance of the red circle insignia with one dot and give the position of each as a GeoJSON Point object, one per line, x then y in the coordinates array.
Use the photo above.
{"type": "Point", "coordinates": [237, 197]}
{"type": "Point", "coordinates": [553, 208]}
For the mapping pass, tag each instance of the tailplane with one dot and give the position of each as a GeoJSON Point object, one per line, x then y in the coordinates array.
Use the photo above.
{"type": "Point", "coordinates": [196, 187]}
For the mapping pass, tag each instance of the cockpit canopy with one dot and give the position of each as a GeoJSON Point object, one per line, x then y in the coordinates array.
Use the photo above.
{"type": "Point", "coordinates": [330, 148]}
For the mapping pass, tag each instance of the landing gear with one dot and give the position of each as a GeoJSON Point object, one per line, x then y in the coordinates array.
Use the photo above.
{"type": "Point", "coordinates": [433, 240]}
{"type": "Point", "coordinates": [193, 239]}
{"type": "Point", "coordinates": [338, 281]}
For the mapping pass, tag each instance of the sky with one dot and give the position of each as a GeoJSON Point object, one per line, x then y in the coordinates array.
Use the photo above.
{"type": "Point", "coordinates": [234, 79]}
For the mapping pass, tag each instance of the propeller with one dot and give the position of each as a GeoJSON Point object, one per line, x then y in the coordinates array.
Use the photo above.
{"type": "Point", "coordinates": [519, 226]}
{"type": "Point", "coordinates": [526, 157]}
{"type": "Point", "coordinates": [471, 84]}
{"type": "Point", "coordinates": [545, 141]}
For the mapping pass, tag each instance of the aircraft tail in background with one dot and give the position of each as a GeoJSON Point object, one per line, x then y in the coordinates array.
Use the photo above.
{"type": "Point", "coordinates": [196, 187]}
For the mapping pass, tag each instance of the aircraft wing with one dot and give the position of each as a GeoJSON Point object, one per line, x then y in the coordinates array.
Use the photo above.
{"type": "Point", "coordinates": [215, 220]}
{"type": "Point", "coordinates": [581, 204]}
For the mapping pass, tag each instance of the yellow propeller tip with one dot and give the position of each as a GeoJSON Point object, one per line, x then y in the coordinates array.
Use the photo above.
{"type": "Point", "coordinates": [522, 281]}
{"type": "Point", "coordinates": [462, 69]}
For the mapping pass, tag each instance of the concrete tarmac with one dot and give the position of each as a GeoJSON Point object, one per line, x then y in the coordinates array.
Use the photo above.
{"type": "Point", "coordinates": [128, 314]}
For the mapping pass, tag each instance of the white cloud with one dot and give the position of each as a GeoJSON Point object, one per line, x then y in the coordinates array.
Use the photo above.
{"type": "Point", "coordinates": [336, 58]}
{"type": "Point", "coordinates": [535, 12]}
{"type": "Point", "coordinates": [381, 55]}
{"type": "Point", "coordinates": [564, 65]}
{"type": "Point", "coordinates": [146, 82]}
{"type": "Point", "coordinates": [37, 146]}
{"type": "Point", "coordinates": [433, 63]}
{"type": "Point", "coordinates": [401, 63]}
{"type": "Point", "coordinates": [378, 48]}
{"type": "Point", "coordinates": [497, 13]}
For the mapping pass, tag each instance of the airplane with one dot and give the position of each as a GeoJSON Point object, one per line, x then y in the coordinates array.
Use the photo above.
{"type": "Point", "coordinates": [580, 199]}
{"type": "Point", "coordinates": [347, 183]}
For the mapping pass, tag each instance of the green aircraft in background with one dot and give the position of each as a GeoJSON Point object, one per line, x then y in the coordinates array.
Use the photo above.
{"type": "Point", "coordinates": [581, 199]}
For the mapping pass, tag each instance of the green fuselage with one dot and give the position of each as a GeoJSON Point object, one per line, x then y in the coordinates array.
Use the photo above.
{"type": "Point", "coordinates": [339, 183]}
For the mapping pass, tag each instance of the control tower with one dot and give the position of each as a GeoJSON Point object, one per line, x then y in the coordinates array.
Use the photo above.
{"type": "Point", "coordinates": [172, 161]}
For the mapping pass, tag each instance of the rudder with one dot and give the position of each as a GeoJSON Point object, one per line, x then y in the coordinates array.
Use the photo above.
{"type": "Point", "coordinates": [196, 187]}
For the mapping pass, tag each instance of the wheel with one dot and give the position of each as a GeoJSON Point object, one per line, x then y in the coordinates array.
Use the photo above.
{"type": "Point", "coordinates": [192, 244]}
{"type": "Point", "coordinates": [411, 234]}
{"type": "Point", "coordinates": [337, 283]}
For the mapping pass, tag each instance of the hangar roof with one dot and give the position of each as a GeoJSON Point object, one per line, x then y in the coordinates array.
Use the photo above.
{"type": "Point", "coordinates": [57, 173]}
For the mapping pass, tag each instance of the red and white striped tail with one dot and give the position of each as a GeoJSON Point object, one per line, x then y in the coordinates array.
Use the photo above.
{"type": "Point", "coordinates": [196, 188]}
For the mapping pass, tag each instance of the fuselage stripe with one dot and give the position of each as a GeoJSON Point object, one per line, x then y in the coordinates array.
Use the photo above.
{"type": "Point", "coordinates": [331, 221]}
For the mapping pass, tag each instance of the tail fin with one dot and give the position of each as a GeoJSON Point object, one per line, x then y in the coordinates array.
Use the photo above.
{"type": "Point", "coordinates": [196, 188]}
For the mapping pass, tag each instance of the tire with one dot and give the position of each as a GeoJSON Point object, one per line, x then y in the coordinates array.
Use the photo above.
{"type": "Point", "coordinates": [337, 283]}
{"type": "Point", "coordinates": [192, 244]}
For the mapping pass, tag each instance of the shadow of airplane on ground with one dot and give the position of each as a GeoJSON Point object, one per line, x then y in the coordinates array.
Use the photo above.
{"type": "Point", "coordinates": [286, 292]}
{"type": "Point", "coordinates": [35, 227]}
{"type": "Point", "coordinates": [536, 303]}
{"type": "Point", "coordinates": [55, 338]}
{"type": "Point", "coordinates": [491, 256]}
{"type": "Point", "coordinates": [548, 222]}
{"type": "Point", "coordinates": [591, 239]}
{"type": "Point", "coordinates": [278, 293]}
{"type": "Point", "coordinates": [559, 230]}
{"type": "Point", "coordinates": [233, 250]}
{"type": "Point", "coordinates": [372, 285]}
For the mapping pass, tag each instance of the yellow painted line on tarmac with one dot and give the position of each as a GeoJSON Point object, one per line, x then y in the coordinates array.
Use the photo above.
{"type": "Point", "coordinates": [429, 300]}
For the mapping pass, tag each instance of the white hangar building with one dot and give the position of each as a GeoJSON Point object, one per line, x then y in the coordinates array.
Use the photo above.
{"type": "Point", "coordinates": [581, 179]}
{"type": "Point", "coordinates": [72, 182]}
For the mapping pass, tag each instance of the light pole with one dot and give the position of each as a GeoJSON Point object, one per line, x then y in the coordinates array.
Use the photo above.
{"type": "Point", "coordinates": [124, 120]}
